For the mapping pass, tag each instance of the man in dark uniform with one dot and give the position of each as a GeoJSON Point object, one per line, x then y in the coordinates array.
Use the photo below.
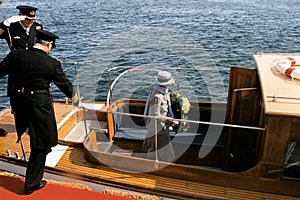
{"type": "Point", "coordinates": [19, 31]}
{"type": "Point", "coordinates": [31, 73]}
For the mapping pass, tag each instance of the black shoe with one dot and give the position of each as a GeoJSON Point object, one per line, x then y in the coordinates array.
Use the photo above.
{"type": "Point", "coordinates": [40, 186]}
{"type": "Point", "coordinates": [3, 132]}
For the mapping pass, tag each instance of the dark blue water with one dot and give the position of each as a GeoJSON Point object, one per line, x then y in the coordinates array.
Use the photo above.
{"type": "Point", "coordinates": [205, 36]}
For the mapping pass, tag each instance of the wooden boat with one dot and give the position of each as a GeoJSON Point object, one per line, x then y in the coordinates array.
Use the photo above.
{"type": "Point", "coordinates": [252, 152]}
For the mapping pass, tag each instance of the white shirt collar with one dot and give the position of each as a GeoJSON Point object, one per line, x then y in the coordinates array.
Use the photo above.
{"type": "Point", "coordinates": [26, 29]}
{"type": "Point", "coordinates": [37, 47]}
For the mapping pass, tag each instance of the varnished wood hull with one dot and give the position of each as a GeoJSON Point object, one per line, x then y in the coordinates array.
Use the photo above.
{"type": "Point", "coordinates": [248, 180]}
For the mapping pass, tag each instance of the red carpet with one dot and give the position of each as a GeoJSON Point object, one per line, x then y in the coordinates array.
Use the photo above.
{"type": "Point", "coordinates": [13, 189]}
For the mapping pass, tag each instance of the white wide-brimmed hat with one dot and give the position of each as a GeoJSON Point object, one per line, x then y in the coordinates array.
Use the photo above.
{"type": "Point", "coordinates": [164, 78]}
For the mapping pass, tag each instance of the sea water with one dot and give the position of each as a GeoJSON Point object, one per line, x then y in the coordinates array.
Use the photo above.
{"type": "Point", "coordinates": [204, 37]}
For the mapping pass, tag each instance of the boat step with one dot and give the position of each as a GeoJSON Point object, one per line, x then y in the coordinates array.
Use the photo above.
{"type": "Point", "coordinates": [97, 130]}
{"type": "Point", "coordinates": [123, 152]}
{"type": "Point", "coordinates": [104, 146]}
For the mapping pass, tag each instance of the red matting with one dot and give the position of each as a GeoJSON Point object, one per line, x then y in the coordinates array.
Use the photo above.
{"type": "Point", "coordinates": [13, 189]}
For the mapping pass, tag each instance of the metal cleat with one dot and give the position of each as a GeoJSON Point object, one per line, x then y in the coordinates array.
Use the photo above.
{"type": "Point", "coordinates": [17, 155]}
{"type": "Point", "coordinates": [25, 158]}
{"type": "Point", "coordinates": [8, 153]}
{"type": "Point", "coordinates": [156, 164]}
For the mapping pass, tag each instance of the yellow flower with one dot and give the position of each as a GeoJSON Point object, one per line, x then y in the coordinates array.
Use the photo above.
{"type": "Point", "coordinates": [183, 101]}
{"type": "Point", "coordinates": [185, 104]}
{"type": "Point", "coordinates": [180, 107]}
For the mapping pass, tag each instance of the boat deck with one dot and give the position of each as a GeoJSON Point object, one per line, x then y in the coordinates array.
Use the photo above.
{"type": "Point", "coordinates": [71, 163]}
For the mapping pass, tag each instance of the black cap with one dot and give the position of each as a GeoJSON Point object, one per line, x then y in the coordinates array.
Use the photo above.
{"type": "Point", "coordinates": [46, 36]}
{"type": "Point", "coordinates": [28, 11]}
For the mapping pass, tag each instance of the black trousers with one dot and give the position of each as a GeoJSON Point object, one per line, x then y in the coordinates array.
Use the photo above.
{"type": "Point", "coordinates": [35, 168]}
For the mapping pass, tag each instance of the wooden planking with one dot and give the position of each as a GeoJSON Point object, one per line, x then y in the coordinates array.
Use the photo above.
{"type": "Point", "coordinates": [240, 77]}
{"type": "Point", "coordinates": [246, 195]}
{"type": "Point", "coordinates": [135, 180]}
{"type": "Point", "coordinates": [155, 183]}
{"type": "Point", "coordinates": [7, 123]}
{"type": "Point", "coordinates": [69, 125]}
{"type": "Point", "coordinates": [274, 154]}
{"type": "Point", "coordinates": [9, 141]}
{"type": "Point", "coordinates": [61, 110]}
{"type": "Point", "coordinates": [244, 108]}
{"type": "Point", "coordinates": [295, 130]}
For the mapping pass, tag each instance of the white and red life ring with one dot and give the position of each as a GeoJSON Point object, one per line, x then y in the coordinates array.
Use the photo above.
{"type": "Point", "coordinates": [285, 66]}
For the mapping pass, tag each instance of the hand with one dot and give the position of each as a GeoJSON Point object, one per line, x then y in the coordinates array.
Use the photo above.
{"type": "Point", "coordinates": [14, 19]}
{"type": "Point", "coordinates": [75, 100]}
{"type": "Point", "coordinates": [175, 122]}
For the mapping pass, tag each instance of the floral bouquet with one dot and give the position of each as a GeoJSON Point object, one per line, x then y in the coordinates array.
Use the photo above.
{"type": "Point", "coordinates": [180, 107]}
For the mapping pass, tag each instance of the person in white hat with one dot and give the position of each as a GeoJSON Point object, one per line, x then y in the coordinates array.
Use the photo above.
{"type": "Point", "coordinates": [158, 104]}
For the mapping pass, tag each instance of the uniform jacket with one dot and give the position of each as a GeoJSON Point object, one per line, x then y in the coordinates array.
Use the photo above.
{"type": "Point", "coordinates": [16, 36]}
{"type": "Point", "coordinates": [31, 71]}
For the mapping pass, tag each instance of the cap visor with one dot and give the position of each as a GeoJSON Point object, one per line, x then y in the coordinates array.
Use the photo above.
{"type": "Point", "coordinates": [30, 18]}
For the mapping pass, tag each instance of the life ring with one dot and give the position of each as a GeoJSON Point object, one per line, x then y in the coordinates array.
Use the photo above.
{"type": "Point", "coordinates": [284, 66]}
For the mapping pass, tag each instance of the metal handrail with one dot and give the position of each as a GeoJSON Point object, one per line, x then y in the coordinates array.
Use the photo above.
{"type": "Point", "coordinates": [186, 120]}
{"type": "Point", "coordinates": [132, 68]}
{"type": "Point", "coordinates": [191, 121]}
{"type": "Point", "coordinates": [156, 139]}
{"type": "Point", "coordinates": [156, 118]}
{"type": "Point", "coordinates": [274, 98]}
{"type": "Point", "coordinates": [76, 77]}
{"type": "Point", "coordinates": [78, 92]}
